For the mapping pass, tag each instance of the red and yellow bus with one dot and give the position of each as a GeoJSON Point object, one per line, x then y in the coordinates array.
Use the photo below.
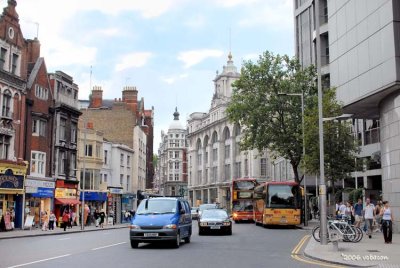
{"type": "Point", "coordinates": [277, 203]}
{"type": "Point", "coordinates": [242, 199]}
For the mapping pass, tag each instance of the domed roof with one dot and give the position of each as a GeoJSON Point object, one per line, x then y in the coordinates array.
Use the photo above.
{"type": "Point", "coordinates": [176, 124]}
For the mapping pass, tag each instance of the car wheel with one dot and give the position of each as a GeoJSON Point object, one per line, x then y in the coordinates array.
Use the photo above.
{"type": "Point", "coordinates": [177, 242]}
{"type": "Point", "coordinates": [229, 232]}
{"type": "Point", "coordinates": [134, 244]}
{"type": "Point", "coordinates": [200, 231]}
{"type": "Point", "coordinates": [187, 239]}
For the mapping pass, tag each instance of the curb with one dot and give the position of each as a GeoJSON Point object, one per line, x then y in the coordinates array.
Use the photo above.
{"type": "Point", "coordinates": [63, 233]}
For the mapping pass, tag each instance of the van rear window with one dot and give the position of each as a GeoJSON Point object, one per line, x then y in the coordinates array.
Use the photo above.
{"type": "Point", "coordinates": [157, 206]}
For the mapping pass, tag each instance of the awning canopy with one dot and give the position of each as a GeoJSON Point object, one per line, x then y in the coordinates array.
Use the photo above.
{"type": "Point", "coordinates": [66, 201]}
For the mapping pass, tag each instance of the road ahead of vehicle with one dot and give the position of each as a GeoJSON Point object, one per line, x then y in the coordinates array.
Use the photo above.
{"type": "Point", "coordinates": [249, 246]}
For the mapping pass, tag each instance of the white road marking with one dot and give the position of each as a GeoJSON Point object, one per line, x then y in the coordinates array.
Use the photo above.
{"type": "Point", "coordinates": [113, 245]}
{"type": "Point", "coordinates": [49, 259]}
{"type": "Point", "coordinates": [64, 238]}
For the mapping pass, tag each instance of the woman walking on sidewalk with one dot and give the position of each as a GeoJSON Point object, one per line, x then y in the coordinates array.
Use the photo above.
{"type": "Point", "coordinates": [52, 220]}
{"type": "Point", "coordinates": [387, 221]}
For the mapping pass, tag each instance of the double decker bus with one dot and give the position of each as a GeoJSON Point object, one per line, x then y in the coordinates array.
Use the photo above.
{"type": "Point", "coordinates": [242, 199]}
{"type": "Point", "coordinates": [277, 203]}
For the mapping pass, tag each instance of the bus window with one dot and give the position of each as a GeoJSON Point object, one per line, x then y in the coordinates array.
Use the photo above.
{"type": "Point", "coordinates": [281, 196]}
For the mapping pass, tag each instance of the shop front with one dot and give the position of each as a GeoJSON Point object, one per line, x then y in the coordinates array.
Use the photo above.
{"type": "Point", "coordinates": [66, 199]}
{"type": "Point", "coordinates": [39, 196]}
{"type": "Point", "coordinates": [114, 204]}
{"type": "Point", "coordinates": [94, 200]}
{"type": "Point", "coordinates": [12, 178]}
{"type": "Point", "coordinates": [127, 206]}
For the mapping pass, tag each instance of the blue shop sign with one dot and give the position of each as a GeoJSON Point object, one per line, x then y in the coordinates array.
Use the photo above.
{"type": "Point", "coordinates": [10, 181]}
{"type": "Point", "coordinates": [43, 192]}
{"type": "Point", "coordinates": [94, 196]}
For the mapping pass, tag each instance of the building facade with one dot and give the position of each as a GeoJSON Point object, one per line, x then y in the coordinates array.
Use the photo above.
{"type": "Point", "coordinates": [172, 160]}
{"type": "Point", "coordinates": [365, 71]}
{"type": "Point", "coordinates": [214, 152]}
{"type": "Point", "coordinates": [13, 74]}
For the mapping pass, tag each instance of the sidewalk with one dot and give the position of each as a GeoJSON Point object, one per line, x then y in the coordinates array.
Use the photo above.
{"type": "Point", "coordinates": [57, 231]}
{"type": "Point", "coordinates": [366, 253]}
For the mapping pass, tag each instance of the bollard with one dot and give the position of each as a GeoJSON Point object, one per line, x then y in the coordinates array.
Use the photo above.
{"type": "Point", "coordinates": [335, 245]}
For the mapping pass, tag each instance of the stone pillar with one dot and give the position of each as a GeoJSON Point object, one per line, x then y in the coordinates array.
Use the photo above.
{"type": "Point", "coordinates": [390, 153]}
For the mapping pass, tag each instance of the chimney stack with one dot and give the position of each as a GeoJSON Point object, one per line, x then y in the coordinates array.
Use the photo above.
{"type": "Point", "coordinates": [96, 100]}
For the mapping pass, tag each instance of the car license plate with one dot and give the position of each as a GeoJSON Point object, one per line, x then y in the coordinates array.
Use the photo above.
{"type": "Point", "coordinates": [283, 220]}
{"type": "Point", "coordinates": [245, 219]}
{"type": "Point", "coordinates": [215, 227]}
{"type": "Point", "coordinates": [150, 234]}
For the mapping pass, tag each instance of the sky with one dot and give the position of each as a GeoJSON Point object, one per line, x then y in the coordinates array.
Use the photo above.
{"type": "Point", "coordinates": [169, 50]}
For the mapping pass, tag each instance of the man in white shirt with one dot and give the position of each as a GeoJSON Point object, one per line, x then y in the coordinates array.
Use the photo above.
{"type": "Point", "coordinates": [369, 215]}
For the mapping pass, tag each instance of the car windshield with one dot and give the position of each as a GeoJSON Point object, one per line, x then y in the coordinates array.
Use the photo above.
{"type": "Point", "coordinates": [156, 206]}
{"type": "Point", "coordinates": [207, 206]}
{"type": "Point", "coordinates": [214, 213]}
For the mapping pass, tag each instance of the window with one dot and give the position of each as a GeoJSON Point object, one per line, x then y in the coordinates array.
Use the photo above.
{"type": "Point", "coordinates": [39, 127]}
{"type": "Point", "coordinates": [4, 146]}
{"type": "Point", "coordinates": [215, 154]}
{"type": "Point", "coordinates": [170, 165]}
{"type": "Point", "coordinates": [61, 162]}
{"type": "Point", "coordinates": [89, 150]}
{"type": "Point", "coordinates": [105, 177]}
{"type": "Point", "coordinates": [121, 179]}
{"type": "Point", "coordinates": [227, 172]}
{"type": "Point", "coordinates": [63, 128]}
{"type": "Point", "coordinates": [41, 92]}
{"type": "Point", "coordinates": [73, 132]}
{"type": "Point", "coordinates": [238, 170]}
{"type": "Point", "coordinates": [227, 151]}
{"type": "Point", "coordinates": [38, 163]}
{"type": "Point", "coordinates": [176, 165]}
{"type": "Point", "coordinates": [214, 174]}
{"type": "Point", "coordinates": [128, 160]}
{"type": "Point", "coordinates": [6, 104]}
{"type": "Point", "coordinates": [176, 177]}
{"type": "Point", "coordinates": [105, 157]}
{"type": "Point", "coordinates": [246, 167]}
{"type": "Point", "coordinates": [73, 163]}
{"type": "Point", "coordinates": [128, 178]}
{"type": "Point", "coordinates": [122, 160]}
{"type": "Point", "coordinates": [176, 154]}
{"type": "Point", "coordinates": [170, 177]}
{"type": "Point", "coordinates": [14, 66]}
{"type": "Point", "coordinates": [3, 54]}
{"type": "Point", "coordinates": [98, 150]}
{"type": "Point", "coordinates": [199, 159]}
{"type": "Point", "coordinates": [170, 154]}
{"type": "Point", "coordinates": [263, 167]}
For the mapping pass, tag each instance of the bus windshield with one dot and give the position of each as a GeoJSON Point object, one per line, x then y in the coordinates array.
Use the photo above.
{"type": "Point", "coordinates": [243, 185]}
{"type": "Point", "coordinates": [242, 205]}
{"type": "Point", "coordinates": [282, 196]}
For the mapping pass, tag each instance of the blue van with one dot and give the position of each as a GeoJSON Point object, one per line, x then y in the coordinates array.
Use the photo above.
{"type": "Point", "coordinates": [161, 219]}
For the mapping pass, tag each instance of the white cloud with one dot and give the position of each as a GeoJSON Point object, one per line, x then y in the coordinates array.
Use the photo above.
{"type": "Point", "coordinates": [233, 3]}
{"type": "Point", "coordinates": [133, 60]}
{"type": "Point", "coordinates": [196, 21]}
{"type": "Point", "coordinates": [251, 56]}
{"type": "Point", "coordinates": [109, 32]}
{"type": "Point", "coordinates": [172, 79]}
{"type": "Point", "coordinates": [193, 57]}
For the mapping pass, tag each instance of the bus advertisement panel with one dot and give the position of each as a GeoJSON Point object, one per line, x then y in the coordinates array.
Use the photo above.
{"type": "Point", "coordinates": [277, 203]}
{"type": "Point", "coordinates": [242, 199]}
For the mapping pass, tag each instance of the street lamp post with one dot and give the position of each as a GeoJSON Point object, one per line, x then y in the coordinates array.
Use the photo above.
{"type": "Point", "coordinates": [322, 183]}
{"type": "Point", "coordinates": [301, 95]}
{"type": "Point", "coordinates": [83, 177]}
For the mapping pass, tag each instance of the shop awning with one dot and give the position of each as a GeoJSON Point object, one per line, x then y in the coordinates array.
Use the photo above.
{"type": "Point", "coordinates": [66, 201]}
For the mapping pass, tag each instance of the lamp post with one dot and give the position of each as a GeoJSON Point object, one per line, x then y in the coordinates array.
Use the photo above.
{"type": "Point", "coordinates": [83, 177]}
{"type": "Point", "coordinates": [301, 95]}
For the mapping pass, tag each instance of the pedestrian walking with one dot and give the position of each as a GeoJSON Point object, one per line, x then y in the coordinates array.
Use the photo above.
{"type": "Point", "coordinates": [96, 217]}
{"type": "Point", "coordinates": [349, 212]}
{"type": "Point", "coordinates": [45, 221]}
{"type": "Point", "coordinates": [358, 212]}
{"type": "Point", "coordinates": [369, 216]}
{"type": "Point", "coordinates": [387, 222]}
{"type": "Point", "coordinates": [102, 216]}
{"type": "Point", "coordinates": [65, 219]}
{"type": "Point", "coordinates": [52, 221]}
{"type": "Point", "coordinates": [378, 217]}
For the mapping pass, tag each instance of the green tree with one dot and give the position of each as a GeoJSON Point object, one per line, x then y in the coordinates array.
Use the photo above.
{"type": "Point", "coordinates": [269, 120]}
{"type": "Point", "coordinates": [340, 146]}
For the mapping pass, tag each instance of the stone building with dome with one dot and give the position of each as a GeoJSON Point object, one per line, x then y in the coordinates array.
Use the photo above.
{"type": "Point", "coordinates": [214, 153]}
{"type": "Point", "coordinates": [172, 162]}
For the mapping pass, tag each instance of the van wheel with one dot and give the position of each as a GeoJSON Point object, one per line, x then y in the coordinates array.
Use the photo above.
{"type": "Point", "coordinates": [187, 239]}
{"type": "Point", "coordinates": [134, 244]}
{"type": "Point", "coordinates": [177, 242]}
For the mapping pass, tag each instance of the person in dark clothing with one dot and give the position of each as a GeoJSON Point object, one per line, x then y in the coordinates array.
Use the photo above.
{"type": "Point", "coordinates": [102, 216]}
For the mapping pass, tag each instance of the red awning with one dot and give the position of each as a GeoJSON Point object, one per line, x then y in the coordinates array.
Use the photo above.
{"type": "Point", "coordinates": [66, 201]}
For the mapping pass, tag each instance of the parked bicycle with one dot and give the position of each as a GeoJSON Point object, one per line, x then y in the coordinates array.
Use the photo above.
{"type": "Point", "coordinates": [339, 229]}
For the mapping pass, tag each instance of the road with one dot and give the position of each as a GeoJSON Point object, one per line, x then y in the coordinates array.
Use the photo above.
{"type": "Point", "coordinates": [249, 246]}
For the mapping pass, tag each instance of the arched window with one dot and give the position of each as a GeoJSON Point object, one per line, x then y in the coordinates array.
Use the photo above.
{"type": "Point", "coordinates": [6, 110]}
